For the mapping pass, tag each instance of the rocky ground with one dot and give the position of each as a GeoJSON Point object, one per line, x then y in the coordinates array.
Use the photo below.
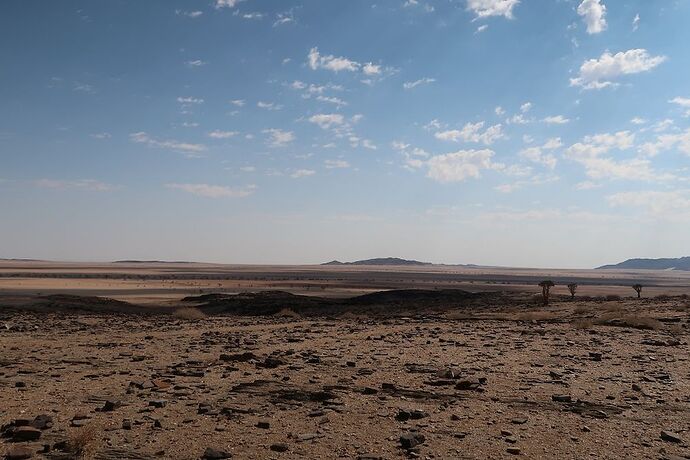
{"type": "Point", "coordinates": [591, 379]}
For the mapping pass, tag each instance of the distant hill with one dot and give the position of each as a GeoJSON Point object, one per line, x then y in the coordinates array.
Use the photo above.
{"type": "Point", "coordinates": [151, 262]}
{"type": "Point", "coordinates": [681, 263]}
{"type": "Point", "coordinates": [380, 261]}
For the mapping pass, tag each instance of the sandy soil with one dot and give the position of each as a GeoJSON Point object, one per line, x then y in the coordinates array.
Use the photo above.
{"type": "Point", "coordinates": [495, 377]}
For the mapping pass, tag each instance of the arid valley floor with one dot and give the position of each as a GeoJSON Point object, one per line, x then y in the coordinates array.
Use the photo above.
{"type": "Point", "coordinates": [190, 361]}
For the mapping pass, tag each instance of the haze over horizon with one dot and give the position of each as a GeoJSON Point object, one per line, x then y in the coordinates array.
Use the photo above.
{"type": "Point", "coordinates": [490, 132]}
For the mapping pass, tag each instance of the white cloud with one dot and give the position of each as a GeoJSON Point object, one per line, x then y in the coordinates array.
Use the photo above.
{"type": "Point", "coordinates": [302, 173]}
{"type": "Point", "coordinates": [526, 107]}
{"type": "Point", "coordinates": [460, 165]}
{"type": "Point", "coordinates": [590, 153]}
{"type": "Point", "coordinates": [536, 155]}
{"type": "Point", "coordinates": [421, 81]}
{"type": "Point", "coordinates": [336, 164]}
{"type": "Point", "coordinates": [278, 137]}
{"type": "Point", "coordinates": [195, 63]}
{"type": "Point", "coordinates": [331, 100]}
{"type": "Point", "coordinates": [268, 105]}
{"type": "Point", "coordinates": [81, 184]}
{"type": "Point", "coordinates": [101, 136]}
{"type": "Point", "coordinates": [481, 29]}
{"type": "Point", "coordinates": [214, 191]}
{"type": "Point", "coordinates": [594, 14]}
{"type": "Point", "coordinates": [553, 143]}
{"type": "Point", "coordinates": [556, 120]}
{"type": "Point", "coordinates": [664, 142]}
{"type": "Point", "coordinates": [190, 100]}
{"type": "Point", "coordinates": [471, 132]}
{"type": "Point", "coordinates": [599, 73]}
{"type": "Point", "coordinates": [284, 18]}
{"type": "Point", "coordinates": [336, 64]}
{"type": "Point", "coordinates": [485, 8]}
{"type": "Point", "coordinates": [636, 22]}
{"type": "Point", "coordinates": [638, 121]}
{"type": "Point", "coordinates": [226, 3]}
{"type": "Point", "coordinates": [683, 102]}
{"type": "Point", "coordinates": [184, 147]}
{"type": "Point", "coordinates": [189, 14]}
{"type": "Point", "coordinates": [238, 102]}
{"type": "Point", "coordinates": [327, 121]}
{"type": "Point", "coordinates": [371, 69]}
{"type": "Point", "coordinates": [218, 134]}
{"type": "Point", "coordinates": [499, 111]}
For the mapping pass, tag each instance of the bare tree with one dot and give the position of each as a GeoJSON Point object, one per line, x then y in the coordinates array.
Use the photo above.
{"type": "Point", "coordinates": [546, 286]}
{"type": "Point", "coordinates": [572, 287]}
{"type": "Point", "coordinates": [638, 289]}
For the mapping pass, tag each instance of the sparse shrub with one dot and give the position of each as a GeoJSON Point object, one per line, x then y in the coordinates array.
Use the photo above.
{"type": "Point", "coordinates": [546, 286]}
{"type": "Point", "coordinates": [583, 324]}
{"type": "Point", "coordinates": [572, 287]}
{"type": "Point", "coordinates": [663, 298]}
{"type": "Point", "coordinates": [636, 322]}
{"type": "Point", "coordinates": [581, 310]}
{"type": "Point", "coordinates": [638, 289]}
{"type": "Point", "coordinates": [613, 298]}
{"type": "Point", "coordinates": [83, 443]}
{"type": "Point", "coordinates": [189, 314]}
{"type": "Point", "coordinates": [287, 313]}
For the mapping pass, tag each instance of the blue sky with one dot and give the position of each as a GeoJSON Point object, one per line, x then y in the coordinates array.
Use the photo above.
{"type": "Point", "coordinates": [503, 132]}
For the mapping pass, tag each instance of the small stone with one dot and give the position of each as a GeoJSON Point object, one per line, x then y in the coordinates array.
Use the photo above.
{"type": "Point", "coordinates": [111, 405]}
{"type": "Point", "coordinates": [263, 425]}
{"type": "Point", "coordinates": [19, 453]}
{"type": "Point", "coordinates": [126, 424]}
{"type": "Point", "coordinates": [513, 450]}
{"type": "Point", "coordinates": [279, 447]}
{"type": "Point", "coordinates": [214, 454]}
{"type": "Point", "coordinates": [411, 440]}
{"type": "Point", "coordinates": [158, 403]}
{"type": "Point", "coordinates": [26, 433]}
{"type": "Point", "coordinates": [562, 398]}
{"type": "Point", "coordinates": [670, 436]}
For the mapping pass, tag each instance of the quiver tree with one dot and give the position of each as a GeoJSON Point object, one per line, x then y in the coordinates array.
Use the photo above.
{"type": "Point", "coordinates": [546, 286]}
{"type": "Point", "coordinates": [572, 287]}
{"type": "Point", "coordinates": [638, 289]}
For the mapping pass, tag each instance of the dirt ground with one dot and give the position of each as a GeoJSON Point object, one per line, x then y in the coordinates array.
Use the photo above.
{"type": "Point", "coordinates": [590, 378]}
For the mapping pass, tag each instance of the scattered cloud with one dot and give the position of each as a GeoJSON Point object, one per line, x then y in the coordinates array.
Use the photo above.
{"type": "Point", "coordinates": [593, 13]}
{"type": "Point", "coordinates": [268, 105]}
{"type": "Point", "coordinates": [471, 132]}
{"type": "Point", "coordinates": [183, 147]}
{"type": "Point", "coordinates": [636, 22]}
{"type": "Point", "coordinates": [555, 120]}
{"type": "Point", "coordinates": [486, 8]}
{"type": "Point", "coordinates": [327, 121]}
{"type": "Point", "coordinates": [460, 165]}
{"type": "Point", "coordinates": [682, 102]}
{"type": "Point", "coordinates": [218, 134]}
{"type": "Point", "coordinates": [336, 164]}
{"type": "Point", "coordinates": [329, 62]}
{"type": "Point", "coordinates": [658, 204]}
{"type": "Point", "coordinates": [302, 173]}
{"type": "Point", "coordinates": [600, 73]}
{"type": "Point", "coordinates": [81, 184]}
{"type": "Point", "coordinates": [101, 136]}
{"type": "Point", "coordinates": [189, 14]}
{"type": "Point", "coordinates": [226, 3]}
{"type": "Point", "coordinates": [421, 81]}
{"type": "Point", "coordinates": [195, 63]}
{"type": "Point", "coordinates": [278, 137]}
{"type": "Point", "coordinates": [238, 102]}
{"type": "Point", "coordinates": [214, 191]}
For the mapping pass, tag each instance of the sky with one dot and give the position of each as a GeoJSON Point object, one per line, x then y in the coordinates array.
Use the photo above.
{"type": "Point", "coordinates": [524, 133]}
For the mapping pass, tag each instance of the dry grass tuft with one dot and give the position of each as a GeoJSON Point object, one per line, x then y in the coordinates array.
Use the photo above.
{"type": "Point", "coordinates": [537, 316]}
{"type": "Point", "coordinates": [288, 313]}
{"type": "Point", "coordinates": [189, 314]}
{"type": "Point", "coordinates": [582, 310]}
{"type": "Point", "coordinates": [583, 324]}
{"type": "Point", "coordinates": [636, 322]}
{"type": "Point", "coordinates": [83, 443]}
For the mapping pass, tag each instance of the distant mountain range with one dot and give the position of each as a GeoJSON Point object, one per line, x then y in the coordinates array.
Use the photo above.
{"type": "Point", "coordinates": [681, 263]}
{"type": "Point", "coordinates": [394, 261]}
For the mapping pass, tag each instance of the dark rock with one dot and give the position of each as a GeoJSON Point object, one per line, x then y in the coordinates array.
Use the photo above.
{"type": "Point", "coordinates": [263, 425]}
{"type": "Point", "coordinates": [411, 440]}
{"type": "Point", "coordinates": [158, 403]}
{"type": "Point", "coordinates": [19, 453]}
{"type": "Point", "coordinates": [42, 422]}
{"type": "Point", "coordinates": [26, 433]}
{"type": "Point", "coordinates": [562, 398]}
{"type": "Point", "coordinates": [214, 454]}
{"type": "Point", "coordinates": [513, 450]}
{"type": "Point", "coordinates": [279, 447]}
{"type": "Point", "coordinates": [111, 405]}
{"type": "Point", "coordinates": [670, 436]}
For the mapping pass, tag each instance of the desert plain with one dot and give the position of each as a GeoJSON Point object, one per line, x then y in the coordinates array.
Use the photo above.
{"type": "Point", "coordinates": [189, 361]}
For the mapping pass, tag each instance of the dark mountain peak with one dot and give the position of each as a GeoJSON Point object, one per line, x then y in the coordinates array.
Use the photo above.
{"type": "Point", "coordinates": [394, 261]}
